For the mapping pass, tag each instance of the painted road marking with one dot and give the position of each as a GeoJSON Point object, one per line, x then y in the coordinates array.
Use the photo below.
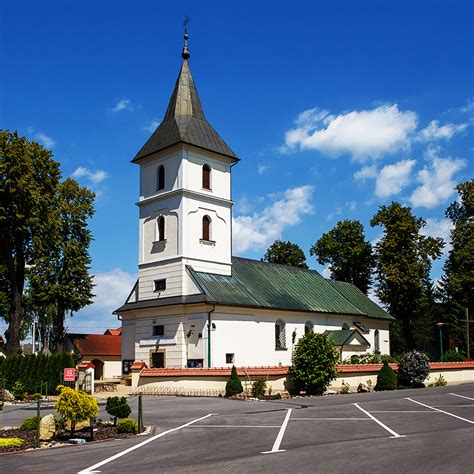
{"type": "Point", "coordinates": [462, 396]}
{"type": "Point", "coordinates": [277, 443]}
{"type": "Point", "coordinates": [393, 433]}
{"type": "Point", "coordinates": [330, 419]}
{"type": "Point", "coordinates": [442, 411]}
{"type": "Point", "coordinates": [404, 411]}
{"type": "Point", "coordinates": [91, 469]}
{"type": "Point", "coordinates": [234, 426]}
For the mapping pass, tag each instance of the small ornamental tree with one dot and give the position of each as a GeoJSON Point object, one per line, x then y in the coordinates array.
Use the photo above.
{"type": "Point", "coordinates": [233, 385]}
{"type": "Point", "coordinates": [386, 378]}
{"type": "Point", "coordinates": [413, 369]}
{"type": "Point", "coordinates": [117, 407]}
{"type": "Point", "coordinates": [314, 362]}
{"type": "Point", "coordinates": [75, 406]}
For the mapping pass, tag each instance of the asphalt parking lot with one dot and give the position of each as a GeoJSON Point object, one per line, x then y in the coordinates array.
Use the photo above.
{"type": "Point", "coordinates": [424, 430]}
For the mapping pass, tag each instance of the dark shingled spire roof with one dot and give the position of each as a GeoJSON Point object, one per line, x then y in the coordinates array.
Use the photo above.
{"type": "Point", "coordinates": [184, 121]}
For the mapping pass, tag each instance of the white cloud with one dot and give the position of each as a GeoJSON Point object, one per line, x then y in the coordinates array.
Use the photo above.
{"type": "Point", "coordinates": [437, 183]}
{"type": "Point", "coordinates": [111, 290]}
{"type": "Point", "coordinates": [363, 134]}
{"type": "Point", "coordinates": [439, 228]}
{"type": "Point", "coordinates": [151, 127]}
{"type": "Point", "coordinates": [261, 228]}
{"type": "Point", "coordinates": [366, 172]}
{"type": "Point", "coordinates": [123, 104]}
{"type": "Point", "coordinates": [393, 178]}
{"type": "Point", "coordinates": [262, 167]}
{"type": "Point", "coordinates": [326, 273]}
{"type": "Point", "coordinates": [435, 131]}
{"type": "Point", "coordinates": [48, 142]}
{"type": "Point", "coordinates": [95, 177]}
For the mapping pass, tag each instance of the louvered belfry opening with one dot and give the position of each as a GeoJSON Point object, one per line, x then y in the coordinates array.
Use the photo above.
{"type": "Point", "coordinates": [161, 228]}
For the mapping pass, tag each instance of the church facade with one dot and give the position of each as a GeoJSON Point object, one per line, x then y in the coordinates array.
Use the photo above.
{"type": "Point", "coordinates": [194, 305]}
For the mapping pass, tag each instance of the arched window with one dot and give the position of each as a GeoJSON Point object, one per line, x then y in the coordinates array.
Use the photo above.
{"type": "Point", "coordinates": [308, 327]}
{"type": "Point", "coordinates": [160, 178]}
{"type": "Point", "coordinates": [345, 326]}
{"type": "Point", "coordinates": [377, 341]}
{"type": "Point", "coordinates": [280, 335]}
{"type": "Point", "coordinates": [161, 228]}
{"type": "Point", "coordinates": [206, 177]}
{"type": "Point", "coordinates": [206, 228]}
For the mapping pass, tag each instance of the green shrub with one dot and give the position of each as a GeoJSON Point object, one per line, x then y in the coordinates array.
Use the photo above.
{"type": "Point", "coordinates": [453, 356]}
{"type": "Point", "coordinates": [386, 378]}
{"type": "Point", "coordinates": [259, 387]}
{"type": "Point", "coordinates": [117, 407]}
{"type": "Point", "coordinates": [36, 396]}
{"type": "Point", "coordinates": [18, 390]}
{"type": "Point", "coordinates": [30, 424]}
{"type": "Point", "coordinates": [413, 369]}
{"type": "Point", "coordinates": [314, 363]}
{"type": "Point", "coordinates": [345, 389]}
{"type": "Point", "coordinates": [373, 358]}
{"type": "Point", "coordinates": [233, 385]}
{"type": "Point", "coordinates": [75, 405]}
{"type": "Point", "coordinates": [127, 425]}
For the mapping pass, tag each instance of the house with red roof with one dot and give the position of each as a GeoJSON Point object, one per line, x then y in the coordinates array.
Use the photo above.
{"type": "Point", "coordinates": [104, 351]}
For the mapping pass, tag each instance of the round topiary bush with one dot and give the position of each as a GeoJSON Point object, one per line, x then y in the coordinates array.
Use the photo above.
{"type": "Point", "coordinates": [413, 369]}
{"type": "Point", "coordinates": [117, 407]}
{"type": "Point", "coordinates": [233, 385]}
{"type": "Point", "coordinates": [314, 363]}
{"type": "Point", "coordinates": [127, 425]}
{"type": "Point", "coordinates": [30, 424]}
{"type": "Point", "coordinates": [386, 378]}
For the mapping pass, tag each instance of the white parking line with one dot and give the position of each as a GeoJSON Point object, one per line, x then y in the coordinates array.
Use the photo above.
{"type": "Point", "coordinates": [93, 468]}
{"type": "Point", "coordinates": [442, 411]}
{"type": "Point", "coordinates": [393, 433]}
{"type": "Point", "coordinates": [330, 419]}
{"type": "Point", "coordinates": [276, 444]}
{"type": "Point", "coordinates": [462, 396]}
{"type": "Point", "coordinates": [235, 426]}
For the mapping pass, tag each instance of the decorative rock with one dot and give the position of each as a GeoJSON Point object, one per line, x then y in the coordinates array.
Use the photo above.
{"type": "Point", "coordinates": [285, 395]}
{"type": "Point", "coordinates": [330, 392]}
{"type": "Point", "coordinates": [6, 395]}
{"type": "Point", "coordinates": [362, 388]}
{"type": "Point", "coordinates": [47, 428]}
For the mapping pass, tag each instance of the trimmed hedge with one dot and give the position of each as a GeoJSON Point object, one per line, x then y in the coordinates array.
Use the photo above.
{"type": "Point", "coordinates": [32, 370]}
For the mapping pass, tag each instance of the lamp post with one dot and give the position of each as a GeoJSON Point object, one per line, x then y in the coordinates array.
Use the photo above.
{"type": "Point", "coordinates": [440, 325]}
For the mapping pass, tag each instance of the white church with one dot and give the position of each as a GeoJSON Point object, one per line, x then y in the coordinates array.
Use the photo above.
{"type": "Point", "coordinates": [194, 305]}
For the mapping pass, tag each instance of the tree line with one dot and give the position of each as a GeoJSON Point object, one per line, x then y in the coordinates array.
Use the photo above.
{"type": "Point", "coordinates": [44, 242]}
{"type": "Point", "coordinates": [398, 267]}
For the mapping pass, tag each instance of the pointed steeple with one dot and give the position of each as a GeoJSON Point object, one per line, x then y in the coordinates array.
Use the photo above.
{"type": "Point", "coordinates": [184, 120]}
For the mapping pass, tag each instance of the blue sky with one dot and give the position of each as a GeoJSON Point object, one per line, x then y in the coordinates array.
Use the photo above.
{"type": "Point", "coordinates": [334, 108]}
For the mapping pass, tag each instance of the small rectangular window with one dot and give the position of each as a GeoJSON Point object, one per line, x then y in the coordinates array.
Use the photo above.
{"type": "Point", "coordinates": [158, 330]}
{"type": "Point", "coordinates": [229, 358]}
{"type": "Point", "coordinates": [160, 285]}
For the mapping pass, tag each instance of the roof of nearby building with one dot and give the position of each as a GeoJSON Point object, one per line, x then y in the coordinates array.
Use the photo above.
{"type": "Point", "coordinates": [342, 336]}
{"type": "Point", "coordinates": [267, 285]}
{"type": "Point", "coordinates": [113, 332]}
{"type": "Point", "coordinates": [359, 299]}
{"type": "Point", "coordinates": [185, 122]}
{"type": "Point", "coordinates": [97, 344]}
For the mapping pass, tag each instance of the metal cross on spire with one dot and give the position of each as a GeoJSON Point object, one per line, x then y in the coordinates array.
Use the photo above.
{"type": "Point", "coordinates": [186, 54]}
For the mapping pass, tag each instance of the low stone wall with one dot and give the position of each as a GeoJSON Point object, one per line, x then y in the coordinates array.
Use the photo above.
{"type": "Point", "coordinates": [211, 382]}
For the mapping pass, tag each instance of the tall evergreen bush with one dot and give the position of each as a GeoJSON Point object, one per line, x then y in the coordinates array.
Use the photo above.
{"type": "Point", "coordinates": [233, 385]}
{"type": "Point", "coordinates": [386, 378]}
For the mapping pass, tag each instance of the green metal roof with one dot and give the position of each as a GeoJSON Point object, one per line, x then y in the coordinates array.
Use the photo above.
{"type": "Point", "coordinates": [266, 285]}
{"type": "Point", "coordinates": [342, 336]}
{"type": "Point", "coordinates": [359, 299]}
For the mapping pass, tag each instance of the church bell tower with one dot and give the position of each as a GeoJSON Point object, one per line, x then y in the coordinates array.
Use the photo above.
{"type": "Point", "coordinates": [185, 197]}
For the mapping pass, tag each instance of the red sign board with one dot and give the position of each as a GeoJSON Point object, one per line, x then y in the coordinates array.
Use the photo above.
{"type": "Point", "coordinates": [69, 374]}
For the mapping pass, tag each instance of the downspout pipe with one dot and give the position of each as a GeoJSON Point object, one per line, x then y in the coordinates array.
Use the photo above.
{"type": "Point", "coordinates": [209, 329]}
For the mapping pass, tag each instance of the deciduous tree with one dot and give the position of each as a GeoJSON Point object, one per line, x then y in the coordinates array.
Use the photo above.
{"type": "Point", "coordinates": [347, 252]}
{"type": "Point", "coordinates": [403, 259]}
{"type": "Point", "coordinates": [285, 253]}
